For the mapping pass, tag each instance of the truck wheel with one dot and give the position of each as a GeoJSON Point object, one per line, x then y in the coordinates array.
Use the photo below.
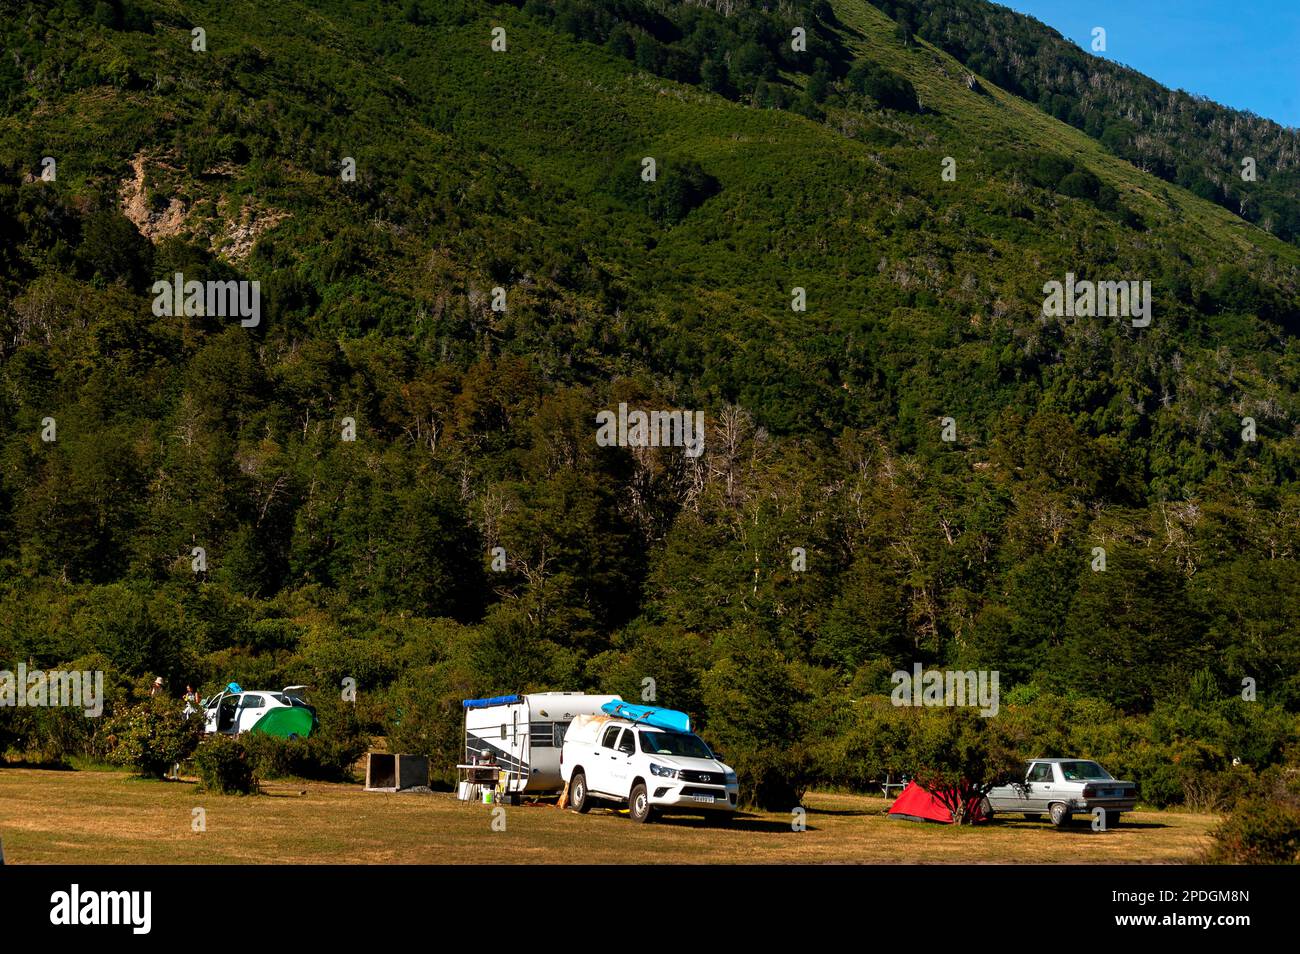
{"type": "Point", "coordinates": [1032, 816]}
{"type": "Point", "coordinates": [1061, 815]}
{"type": "Point", "coordinates": [1112, 820]}
{"type": "Point", "coordinates": [579, 800]}
{"type": "Point", "coordinates": [638, 804]}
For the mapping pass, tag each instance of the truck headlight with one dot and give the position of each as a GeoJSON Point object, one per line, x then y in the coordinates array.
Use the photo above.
{"type": "Point", "coordinates": [662, 772]}
{"type": "Point", "coordinates": [730, 778]}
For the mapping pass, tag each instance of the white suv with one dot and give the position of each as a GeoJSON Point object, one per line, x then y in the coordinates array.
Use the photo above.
{"type": "Point", "coordinates": [648, 769]}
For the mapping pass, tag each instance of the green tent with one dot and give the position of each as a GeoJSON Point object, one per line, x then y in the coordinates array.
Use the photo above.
{"type": "Point", "coordinates": [290, 722]}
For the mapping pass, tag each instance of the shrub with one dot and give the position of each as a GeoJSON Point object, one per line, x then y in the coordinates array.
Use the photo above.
{"type": "Point", "coordinates": [225, 766]}
{"type": "Point", "coordinates": [338, 741]}
{"type": "Point", "coordinates": [325, 757]}
{"type": "Point", "coordinates": [151, 737]}
{"type": "Point", "coordinates": [887, 88]}
{"type": "Point", "coordinates": [272, 757]}
{"type": "Point", "coordinates": [330, 756]}
{"type": "Point", "coordinates": [10, 732]}
{"type": "Point", "coordinates": [769, 777]}
{"type": "Point", "coordinates": [57, 734]}
{"type": "Point", "coordinates": [680, 186]}
{"type": "Point", "coordinates": [1217, 791]}
{"type": "Point", "coordinates": [1259, 832]}
{"type": "Point", "coordinates": [1264, 827]}
{"type": "Point", "coordinates": [1080, 184]}
{"type": "Point", "coordinates": [1162, 786]}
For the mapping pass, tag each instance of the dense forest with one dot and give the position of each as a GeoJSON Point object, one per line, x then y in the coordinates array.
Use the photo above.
{"type": "Point", "coordinates": [918, 467]}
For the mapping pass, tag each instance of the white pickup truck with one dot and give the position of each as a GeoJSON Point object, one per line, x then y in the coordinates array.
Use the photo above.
{"type": "Point", "coordinates": [650, 770]}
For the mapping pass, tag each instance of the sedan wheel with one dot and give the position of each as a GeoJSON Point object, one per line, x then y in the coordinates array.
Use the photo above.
{"type": "Point", "coordinates": [1061, 815]}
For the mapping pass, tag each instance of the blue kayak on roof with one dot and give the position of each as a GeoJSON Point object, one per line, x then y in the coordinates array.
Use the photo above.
{"type": "Point", "coordinates": [669, 719]}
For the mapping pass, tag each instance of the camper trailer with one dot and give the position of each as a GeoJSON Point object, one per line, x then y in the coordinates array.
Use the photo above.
{"type": "Point", "coordinates": [517, 740]}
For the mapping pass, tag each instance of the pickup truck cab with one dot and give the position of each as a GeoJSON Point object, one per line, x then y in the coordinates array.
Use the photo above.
{"type": "Point", "coordinates": [1062, 787]}
{"type": "Point", "coordinates": [650, 770]}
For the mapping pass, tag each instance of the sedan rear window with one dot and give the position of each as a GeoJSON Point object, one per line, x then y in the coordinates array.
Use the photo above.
{"type": "Point", "coordinates": [1083, 772]}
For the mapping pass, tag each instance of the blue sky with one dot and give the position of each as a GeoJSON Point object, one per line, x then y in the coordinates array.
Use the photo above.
{"type": "Point", "coordinates": [1242, 53]}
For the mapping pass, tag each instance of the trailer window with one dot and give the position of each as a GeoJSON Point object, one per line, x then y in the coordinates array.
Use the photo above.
{"type": "Point", "coordinates": [560, 729]}
{"type": "Point", "coordinates": [541, 735]}
{"type": "Point", "coordinates": [503, 730]}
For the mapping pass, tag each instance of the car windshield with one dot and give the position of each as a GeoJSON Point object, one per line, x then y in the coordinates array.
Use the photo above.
{"type": "Point", "coordinates": [674, 743]}
{"type": "Point", "coordinates": [1083, 771]}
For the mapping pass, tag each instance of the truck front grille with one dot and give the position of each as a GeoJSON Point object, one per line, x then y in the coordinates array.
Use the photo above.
{"type": "Point", "coordinates": [703, 778]}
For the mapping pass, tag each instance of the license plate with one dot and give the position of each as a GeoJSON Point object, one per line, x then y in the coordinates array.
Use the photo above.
{"type": "Point", "coordinates": [703, 798]}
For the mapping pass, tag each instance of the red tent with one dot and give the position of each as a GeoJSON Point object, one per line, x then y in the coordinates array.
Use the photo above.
{"type": "Point", "coordinates": [915, 803]}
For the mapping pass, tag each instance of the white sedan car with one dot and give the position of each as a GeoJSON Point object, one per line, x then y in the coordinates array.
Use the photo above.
{"type": "Point", "coordinates": [281, 713]}
{"type": "Point", "coordinates": [1062, 787]}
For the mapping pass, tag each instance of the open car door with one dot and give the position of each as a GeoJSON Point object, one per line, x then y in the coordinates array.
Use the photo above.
{"type": "Point", "coordinates": [211, 711]}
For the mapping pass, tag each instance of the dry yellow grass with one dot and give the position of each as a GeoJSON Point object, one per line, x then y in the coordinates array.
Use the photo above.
{"type": "Point", "coordinates": [110, 818]}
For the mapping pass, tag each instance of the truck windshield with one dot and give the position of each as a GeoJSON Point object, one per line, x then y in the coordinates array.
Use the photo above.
{"type": "Point", "coordinates": [674, 743]}
{"type": "Point", "coordinates": [1083, 771]}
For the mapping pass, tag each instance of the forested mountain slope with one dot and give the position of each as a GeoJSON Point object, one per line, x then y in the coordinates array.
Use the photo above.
{"type": "Point", "coordinates": [1177, 136]}
{"type": "Point", "coordinates": [520, 169]}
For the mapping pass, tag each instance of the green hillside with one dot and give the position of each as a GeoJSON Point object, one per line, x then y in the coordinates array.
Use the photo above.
{"type": "Point", "coordinates": [475, 428]}
{"type": "Point", "coordinates": [1173, 134]}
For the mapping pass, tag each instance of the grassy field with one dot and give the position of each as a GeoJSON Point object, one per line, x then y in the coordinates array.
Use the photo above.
{"type": "Point", "coordinates": [49, 817]}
